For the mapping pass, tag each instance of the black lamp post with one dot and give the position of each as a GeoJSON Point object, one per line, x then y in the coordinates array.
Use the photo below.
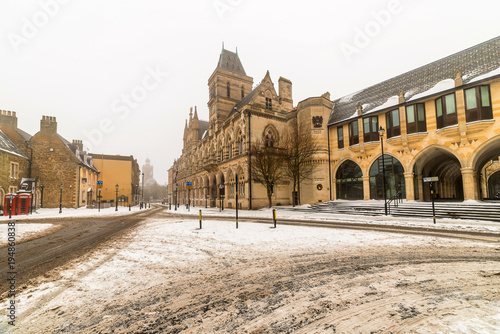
{"type": "Point", "coordinates": [142, 200]}
{"type": "Point", "coordinates": [41, 199]}
{"type": "Point", "coordinates": [116, 207]}
{"type": "Point", "coordinates": [60, 198]}
{"type": "Point", "coordinates": [381, 132]}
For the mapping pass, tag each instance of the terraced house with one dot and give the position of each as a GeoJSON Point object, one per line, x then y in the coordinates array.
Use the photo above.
{"type": "Point", "coordinates": [440, 120]}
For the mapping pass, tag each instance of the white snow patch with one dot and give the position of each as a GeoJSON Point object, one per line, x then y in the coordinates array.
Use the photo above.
{"type": "Point", "coordinates": [391, 102]}
{"type": "Point", "coordinates": [441, 86]}
{"type": "Point", "coordinates": [22, 231]}
{"type": "Point", "coordinates": [486, 76]}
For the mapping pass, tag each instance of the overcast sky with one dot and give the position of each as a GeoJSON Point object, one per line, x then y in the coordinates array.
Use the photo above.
{"type": "Point", "coordinates": [121, 74]}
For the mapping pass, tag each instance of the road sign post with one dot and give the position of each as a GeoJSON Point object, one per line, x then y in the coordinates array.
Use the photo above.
{"type": "Point", "coordinates": [431, 188]}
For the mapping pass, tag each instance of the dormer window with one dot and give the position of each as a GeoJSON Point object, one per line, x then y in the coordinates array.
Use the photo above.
{"type": "Point", "coordinates": [269, 103]}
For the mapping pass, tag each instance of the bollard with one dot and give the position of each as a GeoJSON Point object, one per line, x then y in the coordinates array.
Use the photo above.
{"type": "Point", "coordinates": [274, 217]}
{"type": "Point", "coordinates": [129, 208]}
{"type": "Point", "coordinates": [200, 219]}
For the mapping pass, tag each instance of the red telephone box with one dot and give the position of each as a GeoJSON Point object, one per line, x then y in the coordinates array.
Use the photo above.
{"type": "Point", "coordinates": [7, 203]}
{"type": "Point", "coordinates": [20, 204]}
{"type": "Point", "coordinates": [23, 203]}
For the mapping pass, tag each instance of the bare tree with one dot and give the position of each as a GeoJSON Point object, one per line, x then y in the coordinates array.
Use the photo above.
{"type": "Point", "coordinates": [300, 149]}
{"type": "Point", "coordinates": [267, 165]}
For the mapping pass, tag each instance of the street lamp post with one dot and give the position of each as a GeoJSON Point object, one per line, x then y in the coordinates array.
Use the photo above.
{"type": "Point", "coordinates": [41, 199]}
{"type": "Point", "coordinates": [142, 200]}
{"type": "Point", "coordinates": [381, 132]}
{"type": "Point", "coordinates": [116, 207]}
{"type": "Point", "coordinates": [60, 198]}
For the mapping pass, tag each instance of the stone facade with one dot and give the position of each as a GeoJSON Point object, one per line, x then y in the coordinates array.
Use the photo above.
{"type": "Point", "coordinates": [14, 165]}
{"type": "Point", "coordinates": [214, 152]}
{"type": "Point", "coordinates": [440, 120]}
{"type": "Point", "coordinates": [57, 164]}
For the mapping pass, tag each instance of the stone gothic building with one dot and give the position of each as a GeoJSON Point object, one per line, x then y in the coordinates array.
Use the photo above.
{"type": "Point", "coordinates": [439, 120]}
{"type": "Point", "coordinates": [214, 152]}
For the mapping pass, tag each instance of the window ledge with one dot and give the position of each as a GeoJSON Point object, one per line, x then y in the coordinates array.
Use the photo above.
{"type": "Point", "coordinates": [478, 126]}
{"type": "Point", "coordinates": [416, 137]}
{"type": "Point", "coordinates": [448, 131]}
{"type": "Point", "coordinates": [394, 140]}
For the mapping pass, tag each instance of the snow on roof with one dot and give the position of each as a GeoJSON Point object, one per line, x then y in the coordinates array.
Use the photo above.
{"type": "Point", "coordinates": [6, 145]}
{"type": "Point", "coordinates": [391, 102]}
{"type": "Point", "coordinates": [486, 75]}
{"type": "Point", "coordinates": [441, 86]}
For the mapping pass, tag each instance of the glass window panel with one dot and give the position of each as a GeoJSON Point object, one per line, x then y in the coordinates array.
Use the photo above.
{"type": "Point", "coordinates": [470, 99]}
{"type": "Point", "coordinates": [421, 112]}
{"type": "Point", "coordinates": [395, 117]}
{"type": "Point", "coordinates": [366, 125]}
{"type": "Point", "coordinates": [439, 108]}
{"type": "Point", "coordinates": [485, 96]}
{"type": "Point", "coordinates": [450, 104]}
{"type": "Point", "coordinates": [375, 124]}
{"type": "Point", "coordinates": [410, 114]}
{"type": "Point", "coordinates": [340, 132]}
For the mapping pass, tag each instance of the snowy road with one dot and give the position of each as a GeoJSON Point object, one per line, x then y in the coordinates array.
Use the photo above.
{"type": "Point", "coordinates": [167, 276]}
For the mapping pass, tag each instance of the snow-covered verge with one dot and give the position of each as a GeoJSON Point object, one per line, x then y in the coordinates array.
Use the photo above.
{"type": "Point", "coordinates": [80, 212]}
{"type": "Point", "coordinates": [301, 213]}
{"type": "Point", "coordinates": [168, 276]}
{"type": "Point", "coordinates": [23, 231]}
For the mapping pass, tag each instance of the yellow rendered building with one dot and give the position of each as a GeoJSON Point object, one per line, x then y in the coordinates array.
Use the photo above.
{"type": "Point", "coordinates": [118, 170]}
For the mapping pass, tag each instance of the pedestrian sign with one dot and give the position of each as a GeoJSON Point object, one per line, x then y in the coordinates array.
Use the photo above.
{"type": "Point", "coordinates": [99, 184]}
{"type": "Point", "coordinates": [189, 185]}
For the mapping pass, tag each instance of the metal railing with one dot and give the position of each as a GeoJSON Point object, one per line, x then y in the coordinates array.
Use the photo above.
{"type": "Point", "coordinates": [395, 200]}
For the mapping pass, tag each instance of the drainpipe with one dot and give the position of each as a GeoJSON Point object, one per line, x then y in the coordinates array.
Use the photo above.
{"type": "Point", "coordinates": [329, 163]}
{"type": "Point", "coordinates": [249, 163]}
{"type": "Point", "coordinates": [79, 183]}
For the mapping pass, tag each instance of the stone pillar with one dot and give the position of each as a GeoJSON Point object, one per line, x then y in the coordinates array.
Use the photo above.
{"type": "Point", "coordinates": [420, 185]}
{"type": "Point", "coordinates": [410, 192]}
{"type": "Point", "coordinates": [470, 190]}
{"type": "Point", "coordinates": [333, 184]}
{"type": "Point", "coordinates": [366, 188]}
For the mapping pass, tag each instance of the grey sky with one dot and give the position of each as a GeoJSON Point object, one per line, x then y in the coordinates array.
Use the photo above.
{"type": "Point", "coordinates": [122, 74]}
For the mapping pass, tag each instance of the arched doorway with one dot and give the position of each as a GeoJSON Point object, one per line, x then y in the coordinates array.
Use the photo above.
{"type": "Point", "coordinates": [394, 178]}
{"type": "Point", "coordinates": [213, 191]}
{"type": "Point", "coordinates": [438, 161]}
{"type": "Point", "coordinates": [349, 181]}
{"type": "Point", "coordinates": [222, 188]}
{"type": "Point", "coordinates": [494, 186]}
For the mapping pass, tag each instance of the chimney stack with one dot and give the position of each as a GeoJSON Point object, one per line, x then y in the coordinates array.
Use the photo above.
{"type": "Point", "coordinates": [79, 144]}
{"type": "Point", "coordinates": [48, 125]}
{"type": "Point", "coordinates": [8, 119]}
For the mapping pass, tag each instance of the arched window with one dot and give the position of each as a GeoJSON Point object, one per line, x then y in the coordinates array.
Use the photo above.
{"type": "Point", "coordinates": [240, 146]}
{"type": "Point", "coordinates": [349, 180]}
{"type": "Point", "coordinates": [394, 178]}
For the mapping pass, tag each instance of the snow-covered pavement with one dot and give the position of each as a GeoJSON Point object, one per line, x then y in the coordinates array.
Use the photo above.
{"type": "Point", "coordinates": [168, 276]}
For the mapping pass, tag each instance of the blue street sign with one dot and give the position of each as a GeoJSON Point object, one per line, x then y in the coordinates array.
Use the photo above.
{"type": "Point", "coordinates": [99, 183]}
{"type": "Point", "coordinates": [189, 183]}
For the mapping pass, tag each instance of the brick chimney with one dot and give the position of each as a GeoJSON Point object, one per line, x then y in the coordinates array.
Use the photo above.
{"type": "Point", "coordinates": [48, 125]}
{"type": "Point", "coordinates": [79, 144]}
{"type": "Point", "coordinates": [8, 119]}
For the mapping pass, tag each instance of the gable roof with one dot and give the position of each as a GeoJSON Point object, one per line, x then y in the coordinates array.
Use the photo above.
{"type": "Point", "coordinates": [471, 63]}
{"type": "Point", "coordinates": [8, 146]}
{"type": "Point", "coordinates": [230, 61]}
